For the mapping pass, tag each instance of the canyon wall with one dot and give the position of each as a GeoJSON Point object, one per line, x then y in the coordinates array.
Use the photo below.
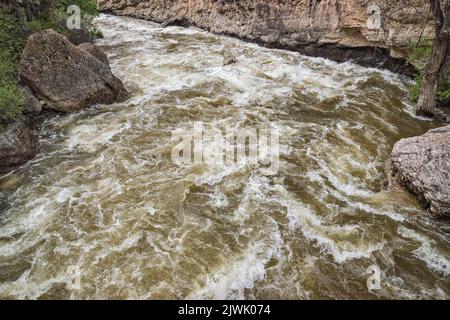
{"type": "Point", "coordinates": [373, 33]}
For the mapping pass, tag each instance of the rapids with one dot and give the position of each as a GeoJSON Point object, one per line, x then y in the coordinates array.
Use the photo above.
{"type": "Point", "coordinates": [103, 212]}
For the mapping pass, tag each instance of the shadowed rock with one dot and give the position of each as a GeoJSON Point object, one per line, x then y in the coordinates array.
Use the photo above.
{"type": "Point", "coordinates": [175, 21]}
{"type": "Point", "coordinates": [229, 60]}
{"type": "Point", "coordinates": [79, 36]}
{"type": "Point", "coordinates": [95, 51]}
{"type": "Point", "coordinates": [18, 144]}
{"type": "Point", "coordinates": [421, 165]}
{"type": "Point", "coordinates": [66, 77]}
{"type": "Point", "coordinates": [32, 105]}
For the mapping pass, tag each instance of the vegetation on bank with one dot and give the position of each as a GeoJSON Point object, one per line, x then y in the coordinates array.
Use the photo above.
{"type": "Point", "coordinates": [17, 22]}
{"type": "Point", "coordinates": [11, 97]}
{"type": "Point", "coordinates": [435, 72]}
{"type": "Point", "coordinates": [418, 58]}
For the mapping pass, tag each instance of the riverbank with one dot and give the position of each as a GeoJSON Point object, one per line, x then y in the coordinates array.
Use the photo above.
{"type": "Point", "coordinates": [338, 30]}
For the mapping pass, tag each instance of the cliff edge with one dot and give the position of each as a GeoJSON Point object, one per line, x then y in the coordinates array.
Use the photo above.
{"type": "Point", "coordinates": [375, 33]}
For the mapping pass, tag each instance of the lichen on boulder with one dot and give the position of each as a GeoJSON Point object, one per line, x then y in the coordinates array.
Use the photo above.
{"type": "Point", "coordinates": [66, 77]}
{"type": "Point", "coordinates": [421, 165]}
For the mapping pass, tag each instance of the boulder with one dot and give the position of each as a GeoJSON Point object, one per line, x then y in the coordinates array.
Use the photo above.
{"type": "Point", "coordinates": [421, 165]}
{"type": "Point", "coordinates": [67, 78]}
{"type": "Point", "coordinates": [32, 105]}
{"type": "Point", "coordinates": [18, 144]}
{"type": "Point", "coordinates": [229, 60]}
{"type": "Point", "coordinates": [95, 51]}
{"type": "Point", "coordinates": [79, 36]}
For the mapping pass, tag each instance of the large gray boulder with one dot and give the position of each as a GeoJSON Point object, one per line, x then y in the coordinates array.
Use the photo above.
{"type": "Point", "coordinates": [421, 165]}
{"type": "Point", "coordinates": [18, 144]}
{"type": "Point", "coordinates": [66, 77]}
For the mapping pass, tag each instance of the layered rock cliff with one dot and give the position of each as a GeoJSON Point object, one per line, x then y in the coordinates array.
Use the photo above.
{"type": "Point", "coordinates": [373, 33]}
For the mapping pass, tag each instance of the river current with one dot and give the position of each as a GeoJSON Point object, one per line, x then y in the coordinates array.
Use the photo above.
{"type": "Point", "coordinates": [104, 212]}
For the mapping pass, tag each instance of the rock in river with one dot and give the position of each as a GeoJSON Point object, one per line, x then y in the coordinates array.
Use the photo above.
{"type": "Point", "coordinates": [66, 77]}
{"type": "Point", "coordinates": [421, 165]}
{"type": "Point", "coordinates": [95, 51]}
{"type": "Point", "coordinates": [18, 144]}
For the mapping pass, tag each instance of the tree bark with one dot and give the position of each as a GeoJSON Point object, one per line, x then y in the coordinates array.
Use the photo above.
{"type": "Point", "coordinates": [438, 62]}
{"type": "Point", "coordinates": [15, 6]}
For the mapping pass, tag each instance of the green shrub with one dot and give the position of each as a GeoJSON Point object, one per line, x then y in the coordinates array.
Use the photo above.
{"type": "Point", "coordinates": [12, 42]}
{"type": "Point", "coordinates": [88, 13]}
{"type": "Point", "coordinates": [443, 93]}
{"type": "Point", "coordinates": [419, 53]}
{"type": "Point", "coordinates": [414, 89]}
{"type": "Point", "coordinates": [57, 16]}
{"type": "Point", "coordinates": [88, 7]}
{"type": "Point", "coordinates": [11, 101]}
{"type": "Point", "coordinates": [11, 97]}
{"type": "Point", "coordinates": [418, 58]}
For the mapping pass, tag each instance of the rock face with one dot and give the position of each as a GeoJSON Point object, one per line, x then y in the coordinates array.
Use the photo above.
{"type": "Point", "coordinates": [18, 144]}
{"type": "Point", "coordinates": [66, 77]}
{"type": "Point", "coordinates": [421, 165]}
{"type": "Point", "coordinates": [79, 36]}
{"type": "Point", "coordinates": [95, 51]}
{"type": "Point", "coordinates": [379, 32]}
{"type": "Point", "coordinates": [32, 105]}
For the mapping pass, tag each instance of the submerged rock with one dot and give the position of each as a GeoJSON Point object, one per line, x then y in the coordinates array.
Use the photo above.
{"type": "Point", "coordinates": [421, 165]}
{"type": "Point", "coordinates": [229, 60]}
{"type": "Point", "coordinates": [66, 77]}
{"type": "Point", "coordinates": [18, 144]}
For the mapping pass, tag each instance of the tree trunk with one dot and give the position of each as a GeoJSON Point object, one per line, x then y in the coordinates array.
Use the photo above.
{"type": "Point", "coordinates": [438, 63]}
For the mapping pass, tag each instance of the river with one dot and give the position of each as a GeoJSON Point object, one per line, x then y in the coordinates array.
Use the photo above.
{"type": "Point", "coordinates": [104, 212]}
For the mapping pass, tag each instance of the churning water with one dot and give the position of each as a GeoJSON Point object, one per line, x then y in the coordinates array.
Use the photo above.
{"type": "Point", "coordinates": [103, 212]}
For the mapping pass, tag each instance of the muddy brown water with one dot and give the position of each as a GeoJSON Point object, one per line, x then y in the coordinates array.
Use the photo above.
{"type": "Point", "coordinates": [103, 212]}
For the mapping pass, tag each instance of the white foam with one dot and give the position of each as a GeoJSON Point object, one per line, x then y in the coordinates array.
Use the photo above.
{"type": "Point", "coordinates": [315, 230]}
{"type": "Point", "coordinates": [426, 252]}
{"type": "Point", "coordinates": [232, 279]}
